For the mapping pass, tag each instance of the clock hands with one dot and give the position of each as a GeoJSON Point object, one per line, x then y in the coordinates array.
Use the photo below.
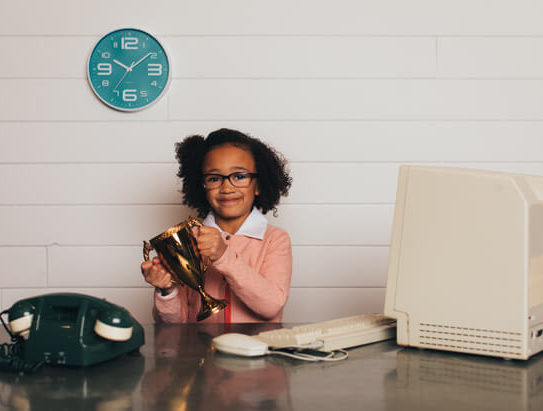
{"type": "Point", "coordinates": [122, 65]}
{"type": "Point", "coordinates": [139, 61]}
{"type": "Point", "coordinates": [128, 68]}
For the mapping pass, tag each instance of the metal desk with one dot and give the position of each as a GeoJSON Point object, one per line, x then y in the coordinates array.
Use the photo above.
{"type": "Point", "coordinates": [177, 370]}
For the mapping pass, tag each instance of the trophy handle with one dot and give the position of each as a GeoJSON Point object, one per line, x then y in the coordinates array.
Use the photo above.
{"type": "Point", "coordinates": [147, 247]}
{"type": "Point", "coordinates": [192, 222]}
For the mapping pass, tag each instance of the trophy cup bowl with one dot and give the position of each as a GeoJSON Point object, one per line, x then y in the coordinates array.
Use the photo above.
{"type": "Point", "coordinates": [178, 252]}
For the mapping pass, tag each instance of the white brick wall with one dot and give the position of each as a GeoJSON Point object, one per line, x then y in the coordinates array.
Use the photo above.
{"type": "Point", "coordinates": [347, 90]}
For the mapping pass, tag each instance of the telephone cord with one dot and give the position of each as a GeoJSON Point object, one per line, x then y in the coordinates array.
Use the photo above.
{"type": "Point", "coordinates": [11, 355]}
{"type": "Point", "coordinates": [11, 360]}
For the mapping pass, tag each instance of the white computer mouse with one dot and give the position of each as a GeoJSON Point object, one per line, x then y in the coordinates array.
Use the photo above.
{"type": "Point", "coordinates": [240, 344]}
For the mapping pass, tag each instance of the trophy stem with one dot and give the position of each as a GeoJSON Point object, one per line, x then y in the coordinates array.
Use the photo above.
{"type": "Point", "coordinates": [210, 305]}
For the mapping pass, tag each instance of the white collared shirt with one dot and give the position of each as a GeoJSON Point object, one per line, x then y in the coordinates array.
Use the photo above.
{"type": "Point", "coordinates": [254, 225]}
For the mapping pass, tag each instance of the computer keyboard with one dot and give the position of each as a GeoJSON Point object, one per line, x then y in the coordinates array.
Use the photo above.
{"type": "Point", "coordinates": [334, 334]}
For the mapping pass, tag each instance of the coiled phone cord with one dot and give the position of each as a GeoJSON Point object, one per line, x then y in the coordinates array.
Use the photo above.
{"type": "Point", "coordinates": [11, 355]}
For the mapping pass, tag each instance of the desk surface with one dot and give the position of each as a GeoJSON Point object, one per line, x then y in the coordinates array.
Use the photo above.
{"type": "Point", "coordinates": [177, 370]}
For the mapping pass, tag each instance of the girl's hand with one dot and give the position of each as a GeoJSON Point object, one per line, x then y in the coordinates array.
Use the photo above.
{"type": "Point", "coordinates": [210, 242]}
{"type": "Point", "coordinates": [156, 275]}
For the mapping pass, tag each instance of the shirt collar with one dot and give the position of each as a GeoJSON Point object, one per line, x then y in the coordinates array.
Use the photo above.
{"type": "Point", "coordinates": [254, 225]}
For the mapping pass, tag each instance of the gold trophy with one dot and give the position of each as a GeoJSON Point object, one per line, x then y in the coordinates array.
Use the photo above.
{"type": "Point", "coordinates": [178, 252]}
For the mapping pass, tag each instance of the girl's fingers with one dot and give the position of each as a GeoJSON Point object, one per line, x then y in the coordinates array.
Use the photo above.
{"type": "Point", "coordinates": [153, 271]}
{"type": "Point", "coordinates": [165, 281]}
{"type": "Point", "coordinates": [210, 242]}
{"type": "Point", "coordinates": [157, 276]}
{"type": "Point", "coordinates": [195, 232]}
{"type": "Point", "coordinates": [203, 230]}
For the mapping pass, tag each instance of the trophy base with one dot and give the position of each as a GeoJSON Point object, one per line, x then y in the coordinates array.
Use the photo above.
{"type": "Point", "coordinates": [211, 307]}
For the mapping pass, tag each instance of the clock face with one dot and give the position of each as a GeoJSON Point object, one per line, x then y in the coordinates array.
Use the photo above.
{"type": "Point", "coordinates": [128, 69]}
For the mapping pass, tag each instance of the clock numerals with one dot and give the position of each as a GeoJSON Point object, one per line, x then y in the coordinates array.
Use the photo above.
{"type": "Point", "coordinates": [130, 94]}
{"type": "Point", "coordinates": [104, 69]}
{"type": "Point", "coordinates": [129, 43]}
{"type": "Point", "coordinates": [154, 69]}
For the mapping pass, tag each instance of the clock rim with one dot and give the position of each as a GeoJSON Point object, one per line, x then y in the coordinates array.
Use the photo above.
{"type": "Point", "coordinates": [159, 97]}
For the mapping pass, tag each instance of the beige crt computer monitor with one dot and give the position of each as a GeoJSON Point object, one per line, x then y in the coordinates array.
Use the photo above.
{"type": "Point", "coordinates": [466, 261]}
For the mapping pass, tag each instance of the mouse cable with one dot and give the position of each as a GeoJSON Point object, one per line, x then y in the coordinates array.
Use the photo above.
{"type": "Point", "coordinates": [337, 355]}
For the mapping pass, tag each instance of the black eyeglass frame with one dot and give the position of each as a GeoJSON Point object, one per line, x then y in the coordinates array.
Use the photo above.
{"type": "Point", "coordinates": [229, 177]}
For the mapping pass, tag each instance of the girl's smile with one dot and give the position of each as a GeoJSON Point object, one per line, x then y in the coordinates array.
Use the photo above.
{"type": "Point", "coordinates": [228, 201]}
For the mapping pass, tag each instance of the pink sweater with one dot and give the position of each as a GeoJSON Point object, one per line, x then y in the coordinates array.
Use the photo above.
{"type": "Point", "coordinates": [258, 273]}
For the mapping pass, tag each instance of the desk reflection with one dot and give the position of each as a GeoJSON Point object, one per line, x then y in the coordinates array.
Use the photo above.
{"type": "Point", "coordinates": [190, 375]}
{"type": "Point", "coordinates": [450, 381]}
{"type": "Point", "coordinates": [242, 383]}
{"type": "Point", "coordinates": [103, 387]}
{"type": "Point", "coordinates": [178, 370]}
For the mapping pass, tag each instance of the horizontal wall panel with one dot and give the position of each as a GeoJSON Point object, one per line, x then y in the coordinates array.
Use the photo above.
{"type": "Point", "coordinates": [303, 57]}
{"type": "Point", "coordinates": [356, 99]}
{"type": "Point", "coordinates": [321, 304]}
{"type": "Point", "coordinates": [90, 184]}
{"type": "Point", "coordinates": [313, 266]}
{"type": "Point", "coordinates": [339, 141]}
{"type": "Point", "coordinates": [72, 100]}
{"type": "Point", "coordinates": [85, 225]}
{"type": "Point", "coordinates": [329, 183]}
{"type": "Point", "coordinates": [45, 56]}
{"type": "Point", "coordinates": [244, 57]}
{"type": "Point", "coordinates": [359, 183]}
{"type": "Point", "coordinates": [313, 183]}
{"type": "Point", "coordinates": [123, 141]}
{"type": "Point", "coordinates": [129, 225]}
{"type": "Point", "coordinates": [95, 267]}
{"type": "Point", "coordinates": [507, 57]}
{"type": "Point", "coordinates": [138, 301]}
{"type": "Point", "coordinates": [63, 100]}
{"type": "Point", "coordinates": [347, 266]}
{"type": "Point", "coordinates": [352, 17]}
{"type": "Point", "coordinates": [23, 267]}
{"type": "Point", "coordinates": [336, 225]}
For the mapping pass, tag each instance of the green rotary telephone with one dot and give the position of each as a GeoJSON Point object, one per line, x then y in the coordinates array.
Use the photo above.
{"type": "Point", "coordinates": [67, 329]}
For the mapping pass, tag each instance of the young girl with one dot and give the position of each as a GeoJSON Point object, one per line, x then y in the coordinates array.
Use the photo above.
{"type": "Point", "coordinates": [231, 179]}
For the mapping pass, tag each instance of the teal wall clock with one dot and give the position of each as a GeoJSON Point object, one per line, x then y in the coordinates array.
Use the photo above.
{"type": "Point", "coordinates": [128, 69]}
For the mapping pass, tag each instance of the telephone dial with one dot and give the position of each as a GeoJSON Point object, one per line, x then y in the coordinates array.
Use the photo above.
{"type": "Point", "coordinates": [67, 329]}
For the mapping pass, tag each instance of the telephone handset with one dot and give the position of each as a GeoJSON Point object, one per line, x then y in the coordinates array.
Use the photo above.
{"type": "Point", "coordinates": [68, 329]}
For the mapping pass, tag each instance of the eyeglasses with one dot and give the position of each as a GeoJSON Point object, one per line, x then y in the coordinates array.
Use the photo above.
{"type": "Point", "coordinates": [238, 179]}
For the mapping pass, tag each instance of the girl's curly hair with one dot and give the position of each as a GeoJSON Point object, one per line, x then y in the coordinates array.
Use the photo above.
{"type": "Point", "coordinates": [273, 177]}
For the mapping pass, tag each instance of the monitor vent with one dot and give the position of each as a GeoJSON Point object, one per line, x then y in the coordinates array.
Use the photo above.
{"type": "Point", "coordinates": [473, 340]}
